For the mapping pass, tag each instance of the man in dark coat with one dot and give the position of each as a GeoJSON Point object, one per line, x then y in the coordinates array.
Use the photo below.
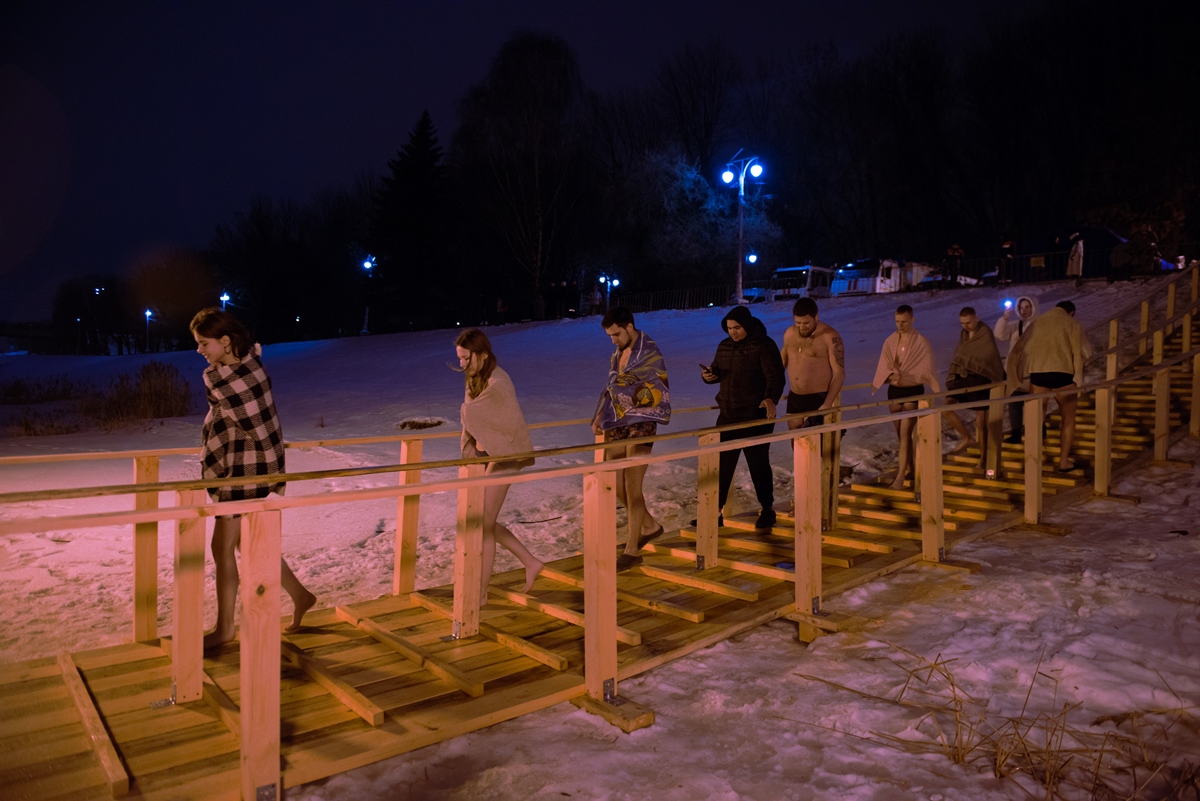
{"type": "Point", "coordinates": [750, 371]}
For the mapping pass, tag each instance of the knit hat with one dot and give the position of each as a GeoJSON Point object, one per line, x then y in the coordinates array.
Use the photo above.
{"type": "Point", "coordinates": [740, 315]}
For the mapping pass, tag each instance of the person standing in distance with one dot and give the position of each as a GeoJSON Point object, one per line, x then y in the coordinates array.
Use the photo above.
{"type": "Point", "coordinates": [976, 362]}
{"type": "Point", "coordinates": [1011, 326]}
{"type": "Point", "coordinates": [749, 368]}
{"type": "Point", "coordinates": [906, 364]}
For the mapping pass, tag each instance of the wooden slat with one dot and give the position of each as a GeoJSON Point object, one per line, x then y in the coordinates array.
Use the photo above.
{"type": "Point", "coordinates": [223, 706]}
{"type": "Point", "coordinates": [627, 636]}
{"type": "Point", "coordinates": [145, 554]}
{"type": "Point", "coordinates": [707, 502]}
{"type": "Point", "coordinates": [417, 654]}
{"type": "Point", "coordinates": [102, 744]}
{"type": "Point", "coordinates": [468, 555]}
{"type": "Point", "coordinates": [508, 640]}
{"type": "Point", "coordinates": [339, 689]}
{"type": "Point", "coordinates": [653, 604]}
{"type": "Point", "coordinates": [408, 516]}
{"type": "Point", "coordinates": [187, 612]}
{"type": "Point", "coordinates": [690, 579]}
{"type": "Point", "coordinates": [929, 468]}
{"type": "Point", "coordinates": [1032, 420]}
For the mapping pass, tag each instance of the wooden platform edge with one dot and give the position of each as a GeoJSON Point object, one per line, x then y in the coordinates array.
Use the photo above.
{"type": "Point", "coordinates": [102, 744]}
{"type": "Point", "coordinates": [626, 715]}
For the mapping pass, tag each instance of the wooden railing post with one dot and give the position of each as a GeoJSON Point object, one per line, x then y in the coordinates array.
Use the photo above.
{"type": "Point", "coordinates": [707, 504]}
{"type": "Point", "coordinates": [1194, 422]}
{"type": "Point", "coordinates": [1170, 307]}
{"type": "Point", "coordinates": [468, 555]}
{"type": "Point", "coordinates": [1143, 326]}
{"type": "Point", "coordinates": [1102, 478]}
{"type": "Point", "coordinates": [187, 638]}
{"type": "Point", "coordinates": [145, 554]}
{"type": "Point", "coordinates": [1032, 420]}
{"type": "Point", "coordinates": [1162, 410]}
{"type": "Point", "coordinates": [995, 433]}
{"type": "Point", "coordinates": [408, 514]}
{"type": "Point", "coordinates": [1110, 362]}
{"type": "Point", "coordinates": [831, 472]}
{"type": "Point", "coordinates": [929, 468]}
{"type": "Point", "coordinates": [1195, 285]}
{"type": "Point", "coordinates": [260, 651]}
{"type": "Point", "coordinates": [600, 585]}
{"type": "Point", "coordinates": [1156, 354]}
{"type": "Point", "coordinates": [806, 463]}
{"type": "Point", "coordinates": [1187, 332]}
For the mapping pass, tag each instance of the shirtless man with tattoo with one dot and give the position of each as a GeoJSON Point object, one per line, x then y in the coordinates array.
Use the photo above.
{"type": "Point", "coordinates": [815, 360]}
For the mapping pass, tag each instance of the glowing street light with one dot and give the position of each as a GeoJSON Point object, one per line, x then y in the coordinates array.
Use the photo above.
{"type": "Point", "coordinates": [608, 283]}
{"type": "Point", "coordinates": [148, 313]}
{"type": "Point", "coordinates": [738, 168]}
{"type": "Point", "coordinates": [224, 299]}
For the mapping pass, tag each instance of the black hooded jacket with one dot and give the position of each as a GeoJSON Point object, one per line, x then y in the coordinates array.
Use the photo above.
{"type": "Point", "coordinates": [750, 371]}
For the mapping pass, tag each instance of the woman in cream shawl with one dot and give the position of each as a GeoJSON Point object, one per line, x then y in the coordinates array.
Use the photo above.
{"type": "Point", "coordinates": [492, 425]}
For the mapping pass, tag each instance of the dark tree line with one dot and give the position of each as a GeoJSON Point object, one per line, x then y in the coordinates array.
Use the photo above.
{"type": "Point", "coordinates": [1070, 113]}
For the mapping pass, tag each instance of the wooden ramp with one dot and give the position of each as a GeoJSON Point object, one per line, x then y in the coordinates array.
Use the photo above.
{"type": "Point", "coordinates": [381, 678]}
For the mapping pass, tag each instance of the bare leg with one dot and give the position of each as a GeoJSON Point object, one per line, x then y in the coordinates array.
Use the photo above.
{"type": "Point", "coordinates": [1066, 407]}
{"type": "Point", "coordinates": [302, 599]}
{"type": "Point", "coordinates": [629, 493]}
{"type": "Point", "coordinates": [227, 534]}
{"type": "Point", "coordinates": [966, 440]}
{"type": "Point", "coordinates": [981, 435]}
{"type": "Point", "coordinates": [907, 426]}
{"type": "Point", "coordinates": [493, 533]}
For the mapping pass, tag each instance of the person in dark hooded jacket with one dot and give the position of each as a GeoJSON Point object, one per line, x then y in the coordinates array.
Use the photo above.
{"type": "Point", "coordinates": [750, 371]}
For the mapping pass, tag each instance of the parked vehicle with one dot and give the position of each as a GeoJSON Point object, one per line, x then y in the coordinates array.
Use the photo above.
{"type": "Point", "coordinates": [805, 281]}
{"type": "Point", "coordinates": [871, 276]}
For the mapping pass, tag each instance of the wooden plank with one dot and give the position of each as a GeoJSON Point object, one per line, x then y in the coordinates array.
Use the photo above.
{"type": "Point", "coordinates": [339, 689]}
{"type": "Point", "coordinates": [408, 515]}
{"type": "Point", "coordinates": [223, 706]}
{"type": "Point", "coordinates": [414, 652]}
{"type": "Point", "coordinates": [600, 631]}
{"type": "Point", "coordinates": [102, 744]}
{"type": "Point", "coordinates": [929, 468]}
{"type": "Point", "coordinates": [1162, 407]}
{"type": "Point", "coordinates": [806, 467]}
{"type": "Point", "coordinates": [508, 640]}
{"type": "Point", "coordinates": [653, 604]}
{"type": "Point", "coordinates": [690, 579]}
{"type": "Point", "coordinates": [707, 502]}
{"type": "Point", "coordinates": [1102, 470]}
{"type": "Point", "coordinates": [468, 555]}
{"type": "Point", "coordinates": [260, 654]}
{"type": "Point", "coordinates": [626, 715]}
{"type": "Point", "coordinates": [1032, 420]}
{"type": "Point", "coordinates": [145, 554]}
{"type": "Point", "coordinates": [187, 612]}
{"type": "Point", "coordinates": [627, 636]}
{"type": "Point", "coordinates": [837, 557]}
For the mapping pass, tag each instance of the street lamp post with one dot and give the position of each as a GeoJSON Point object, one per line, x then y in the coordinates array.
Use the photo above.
{"type": "Point", "coordinates": [368, 264]}
{"type": "Point", "coordinates": [742, 165]}
{"type": "Point", "coordinates": [608, 283]}
{"type": "Point", "coordinates": [224, 299]}
{"type": "Point", "coordinates": [148, 313]}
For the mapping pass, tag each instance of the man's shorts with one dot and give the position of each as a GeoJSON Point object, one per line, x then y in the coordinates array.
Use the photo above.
{"type": "Point", "coordinates": [631, 431]}
{"type": "Point", "coordinates": [796, 404]}
{"type": "Point", "coordinates": [898, 393]}
{"type": "Point", "coordinates": [965, 382]}
{"type": "Point", "coordinates": [1051, 380]}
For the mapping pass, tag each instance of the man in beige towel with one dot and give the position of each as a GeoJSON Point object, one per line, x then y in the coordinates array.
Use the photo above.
{"type": "Point", "coordinates": [906, 364]}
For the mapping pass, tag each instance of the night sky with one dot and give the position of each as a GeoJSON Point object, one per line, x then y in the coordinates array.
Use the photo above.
{"type": "Point", "coordinates": [130, 126]}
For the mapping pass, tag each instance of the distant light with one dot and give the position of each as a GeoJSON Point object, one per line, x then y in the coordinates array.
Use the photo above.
{"type": "Point", "coordinates": [727, 177]}
{"type": "Point", "coordinates": [1008, 304]}
{"type": "Point", "coordinates": [710, 304]}
{"type": "Point", "coordinates": [753, 257]}
{"type": "Point", "coordinates": [147, 314]}
{"type": "Point", "coordinates": [756, 170]}
{"type": "Point", "coordinates": [297, 318]}
{"type": "Point", "coordinates": [367, 264]}
{"type": "Point", "coordinates": [224, 297]}
{"type": "Point", "coordinates": [457, 323]}
{"type": "Point", "coordinates": [603, 278]}
{"type": "Point", "coordinates": [77, 319]}
{"type": "Point", "coordinates": [616, 282]}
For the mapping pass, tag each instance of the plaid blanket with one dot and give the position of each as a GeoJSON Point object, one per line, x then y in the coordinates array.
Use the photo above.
{"type": "Point", "coordinates": [241, 435]}
{"type": "Point", "coordinates": [640, 393]}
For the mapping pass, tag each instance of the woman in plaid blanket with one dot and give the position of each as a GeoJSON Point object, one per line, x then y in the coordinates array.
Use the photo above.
{"type": "Point", "coordinates": [241, 438]}
{"type": "Point", "coordinates": [492, 425]}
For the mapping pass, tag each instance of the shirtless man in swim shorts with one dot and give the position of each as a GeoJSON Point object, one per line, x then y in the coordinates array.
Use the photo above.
{"type": "Point", "coordinates": [815, 360]}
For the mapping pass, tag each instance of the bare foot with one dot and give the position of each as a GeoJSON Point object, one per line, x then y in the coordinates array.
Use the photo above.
{"type": "Point", "coordinates": [217, 638]}
{"type": "Point", "coordinates": [963, 446]}
{"type": "Point", "coordinates": [898, 483]}
{"type": "Point", "coordinates": [305, 603]}
{"type": "Point", "coordinates": [531, 575]}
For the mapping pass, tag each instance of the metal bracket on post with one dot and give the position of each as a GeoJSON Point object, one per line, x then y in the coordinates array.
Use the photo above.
{"type": "Point", "coordinates": [990, 474]}
{"type": "Point", "coordinates": [816, 608]}
{"type": "Point", "coordinates": [917, 497]}
{"type": "Point", "coordinates": [610, 693]}
{"type": "Point", "coordinates": [265, 793]}
{"type": "Point", "coordinates": [941, 554]}
{"type": "Point", "coordinates": [456, 630]}
{"type": "Point", "coordinates": [699, 562]}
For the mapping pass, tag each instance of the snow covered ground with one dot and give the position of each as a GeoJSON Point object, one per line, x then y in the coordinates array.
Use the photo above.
{"type": "Point", "coordinates": [1105, 620]}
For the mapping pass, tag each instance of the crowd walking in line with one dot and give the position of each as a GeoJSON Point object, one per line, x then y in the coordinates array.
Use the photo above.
{"type": "Point", "coordinates": [1045, 353]}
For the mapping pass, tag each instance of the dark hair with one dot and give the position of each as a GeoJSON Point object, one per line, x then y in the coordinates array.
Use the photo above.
{"type": "Point", "coordinates": [805, 307]}
{"type": "Point", "coordinates": [1066, 306]}
{"type": "Point", "coordinates": [477, 342]}
{"type": "Point", "coordinates": [212, 323]}
{"type": "Point", "coordinates": [904, 309]}
{"type": "Point", "coordinates": [967, 311]}
{"type": "Point", "coordinates": [617, 315]}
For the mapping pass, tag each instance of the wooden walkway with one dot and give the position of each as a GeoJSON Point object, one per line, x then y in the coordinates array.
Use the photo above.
{"type": "Point", "coordinates": [381, 678]}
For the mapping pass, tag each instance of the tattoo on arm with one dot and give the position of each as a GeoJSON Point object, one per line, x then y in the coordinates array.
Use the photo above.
{"type": "Point", "coordinates": [839, 351]}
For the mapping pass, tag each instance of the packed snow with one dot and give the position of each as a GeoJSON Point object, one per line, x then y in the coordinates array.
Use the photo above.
{"type": "Point", "coordinates": [1097, 632]}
